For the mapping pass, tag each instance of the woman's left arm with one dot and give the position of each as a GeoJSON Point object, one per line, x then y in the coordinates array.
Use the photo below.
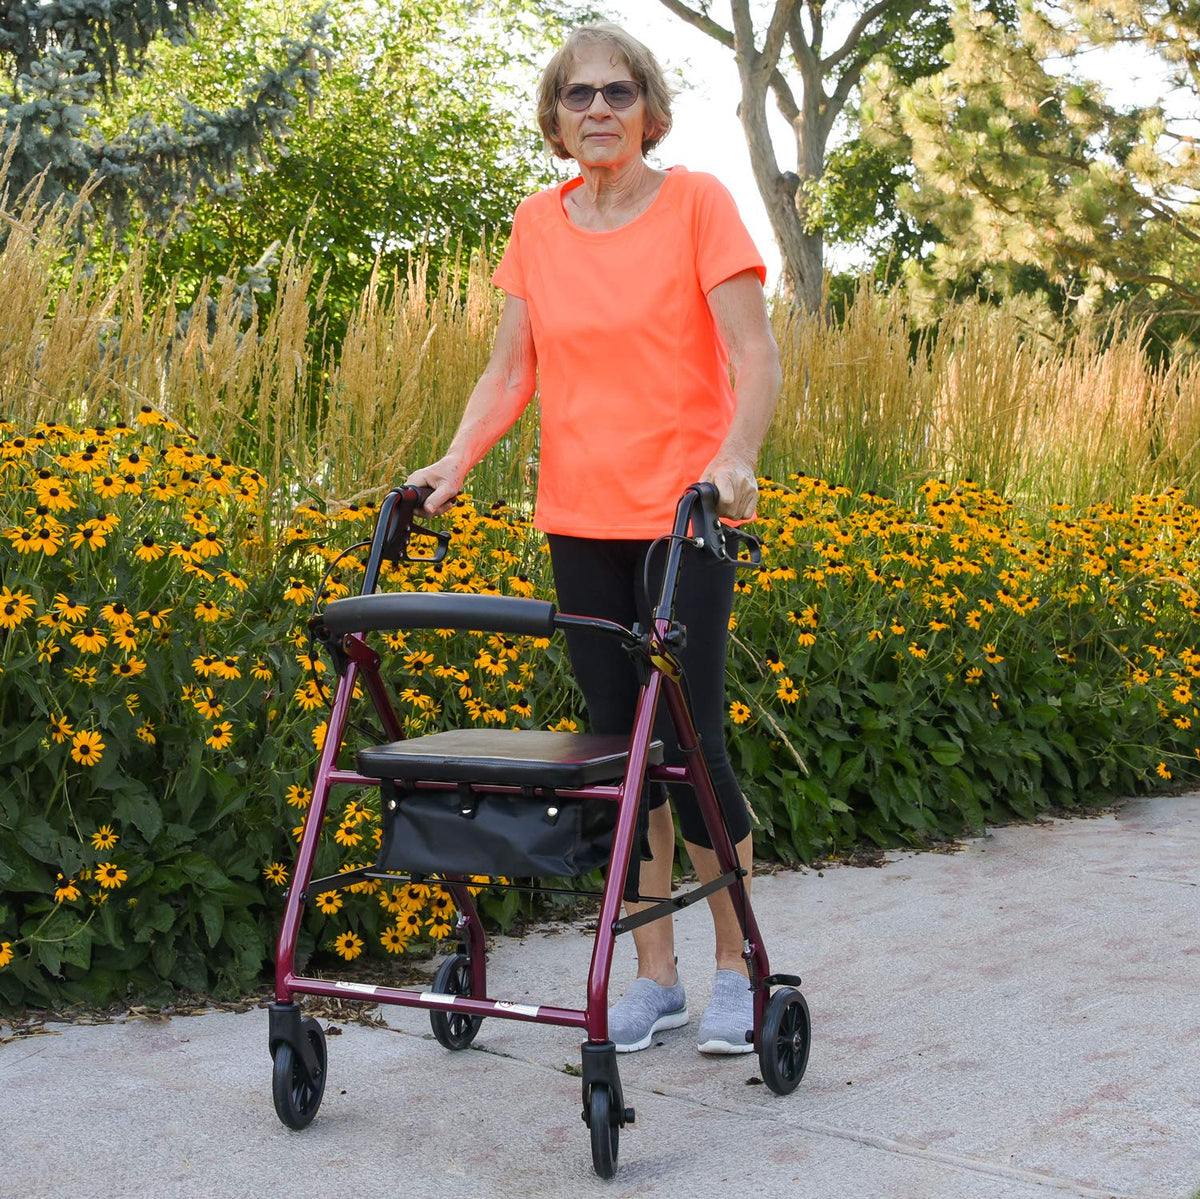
{"type": "Point", "coordinates": [739, 310]}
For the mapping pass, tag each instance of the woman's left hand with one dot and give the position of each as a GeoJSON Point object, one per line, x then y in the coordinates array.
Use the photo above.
{"type": "Point", "coordinates": [737, 488]}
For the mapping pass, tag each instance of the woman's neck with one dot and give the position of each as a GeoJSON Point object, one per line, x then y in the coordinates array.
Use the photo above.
{"type": "Point", "coordinates": [609, 189]}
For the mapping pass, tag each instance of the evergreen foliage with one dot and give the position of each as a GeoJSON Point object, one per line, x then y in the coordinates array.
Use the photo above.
{"type": "Point", "coordinates": [64, 59]}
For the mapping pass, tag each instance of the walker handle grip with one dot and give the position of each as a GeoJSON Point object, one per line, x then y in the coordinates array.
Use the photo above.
{"type": "Point", "coordinates": [720, 540]}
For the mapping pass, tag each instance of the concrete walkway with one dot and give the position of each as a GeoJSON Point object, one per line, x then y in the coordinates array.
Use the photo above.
{"type": "Point", "coordinates": [1017, 1020]}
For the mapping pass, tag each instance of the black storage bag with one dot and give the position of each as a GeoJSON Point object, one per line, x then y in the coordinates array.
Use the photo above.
{"type": "Point", "coordinates": [518, 835]}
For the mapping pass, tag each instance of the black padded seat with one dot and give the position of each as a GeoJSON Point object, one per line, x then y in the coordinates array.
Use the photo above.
{"type": "Point", "coordinates": [527, 757]}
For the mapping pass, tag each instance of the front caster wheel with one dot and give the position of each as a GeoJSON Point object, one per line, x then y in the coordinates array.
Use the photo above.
{"type": "Point", "coordinates": [785, 1040]}
{"type": "Point", "coordinates": [296, 1096]}
{"type": "Point", "coordinates": [606, 1133]}
{"type": "Point", "coordinates": [453, 1029]}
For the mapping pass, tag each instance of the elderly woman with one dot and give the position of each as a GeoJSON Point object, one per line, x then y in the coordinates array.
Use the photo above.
{"type": "Point", "coordinates": [630, 292]}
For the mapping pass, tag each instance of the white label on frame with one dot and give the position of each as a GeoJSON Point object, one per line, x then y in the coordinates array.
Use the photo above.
{"type": "Point", "coordinates": [362, 988]}
{"type": "Point", "coordinates": [523, 1009]}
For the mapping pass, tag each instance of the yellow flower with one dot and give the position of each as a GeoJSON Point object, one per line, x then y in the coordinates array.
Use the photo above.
{"type": "Point", "coordinates": [15, 606]}
{"type": "Point", "coordinates": [6, 953]}
{"type": "Point", "coordinates": [149, 550]}
{"type": "Point", "coordinates": [104, 837]}
{"type": "Point", "coordinates": [299, 593]}
{"type": "Point", "coordinates": [299, 797]}
{"type": "Point", "coordinates": [565, 725]}
{"type": "Point", "coordinates": [348, 946]}
{"type": "Point", "coordinates": [787, 691]}
{"type": "Point", "coordinates": [205, 665]}
{"type": "Point", "coordinates": [394, 939]}
{"type": "Point", "coordinates": [66, 891]}
{"type": "Point", "coordinates": [228, 668]}
{"type": "Point", "coordinates": [60, 728]}
{"type": "Point", "coordinates": [329, 902]}
{"type": "Point", "coordinates": [234, 580]}
{"type": "Point", "coordinates": [989, 652]}
{"type": "Point", "coordinates": [1162, 771]}
{"type": "Point", "coordinates": [125, 638]}
{"type": "Point", "coordinates": [440, 925]}
{"type": "Point", "coordinates": [110, 876]}
{"type": "Point", "coordinates": [917, 651]}
{"type": "Point", "coordinates": [86, 748]}
{"type": "Point", "coordinates": [898, 628]}
{"type": "Point", "coordinates": [90, 536]}
{"type": "Point", "coordinates": [47, 649]}
{"type": "Point", "coordinates": [318, 734]}
{"type": "Point", "coordinates": [116, 615]}
{"type": "Point", "coordinates": [347, 835]}
{"type": "Point", "coordinates": [145, 732]}
{"type": "Point", "coordinates": [261, 671]}
{"type": "Point", "coordinates": [83, 674]}
{"type": "Point", "coordinates": [127, 670]}
{"type": "Point", "coordinates": [156, 616]}
{"type": "Point", "coordinates": [738, 712]}
{"type": "Point", "coordinates": [1182, 694]}
{"type": "Point", "coordinates": [974, 674]}
{"type": "Point", "coordinates": [221, 736]}
{"type": "Point", "coordinates": [208, 612]}
{"type": "Point", "coordinates": [207, 706]}
{"type": "Point", "coordinates": [89, 640]}
{"type": "Point", "coordinates": [775, 665]}
{"type": "Point", "coordinates": [276, 873]}
{"type": "Point", "coordinates": [806, 639]}
{"type": "Point", "coordinates": [308, 695]}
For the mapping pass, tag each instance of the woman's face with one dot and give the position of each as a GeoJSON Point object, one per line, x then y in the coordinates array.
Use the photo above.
{"type": "Point", "coordinates": [601, 136]}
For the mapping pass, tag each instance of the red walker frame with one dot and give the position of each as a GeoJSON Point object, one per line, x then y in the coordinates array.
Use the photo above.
{"type": "Point", "coordinates": [781, 1036]}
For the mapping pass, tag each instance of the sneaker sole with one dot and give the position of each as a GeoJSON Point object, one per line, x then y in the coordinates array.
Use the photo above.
{"type": "Point", "coordinates": [724, 1048]}
{"type": "Point", "coordinates": [670, 1020]}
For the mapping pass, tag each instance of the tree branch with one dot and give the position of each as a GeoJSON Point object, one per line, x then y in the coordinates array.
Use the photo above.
{"type": "Point", "coordinates": [701, 21]}
{"type": "Point", "coordinates": [849, 46]}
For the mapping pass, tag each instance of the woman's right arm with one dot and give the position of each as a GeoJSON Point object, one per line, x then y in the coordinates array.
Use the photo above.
{"type": "Point", "coordinates": [498, 399]}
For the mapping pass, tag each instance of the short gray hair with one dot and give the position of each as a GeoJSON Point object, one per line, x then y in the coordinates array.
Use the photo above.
{"type": "Point", "coordinates": [642, 64]}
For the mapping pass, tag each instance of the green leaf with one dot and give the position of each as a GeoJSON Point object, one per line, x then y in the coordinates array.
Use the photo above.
{"type": "Point", "coordinates": [133, 803]}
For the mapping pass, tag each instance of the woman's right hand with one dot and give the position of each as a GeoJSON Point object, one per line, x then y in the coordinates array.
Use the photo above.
{"type": "Point", "coordinates": [446, 477]}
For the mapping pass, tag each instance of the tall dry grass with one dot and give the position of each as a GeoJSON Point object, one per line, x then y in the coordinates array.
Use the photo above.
{"type": "Point", "coordinates": [1080, 417]}
{"type": "Point", "coordinates": [869, 400]}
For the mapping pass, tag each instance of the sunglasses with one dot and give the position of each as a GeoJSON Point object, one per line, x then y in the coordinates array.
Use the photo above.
{"type": "Point", "coordinates": [578, 97]}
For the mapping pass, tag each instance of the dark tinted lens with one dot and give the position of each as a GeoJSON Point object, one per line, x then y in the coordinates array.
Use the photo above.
{"type": "Point", "coordinates": [577, 97]}
{"type": "Point", "coordinates": [621, 95]}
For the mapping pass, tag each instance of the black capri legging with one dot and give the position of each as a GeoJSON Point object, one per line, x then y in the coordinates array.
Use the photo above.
{"type": "Point", "coordinates": [603, 578]}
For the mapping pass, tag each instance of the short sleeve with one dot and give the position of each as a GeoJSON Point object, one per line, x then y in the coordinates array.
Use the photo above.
{"type": "Point", "coordinates": [724, 247]}
{"type": "Point", "coordinates": [509, 276]}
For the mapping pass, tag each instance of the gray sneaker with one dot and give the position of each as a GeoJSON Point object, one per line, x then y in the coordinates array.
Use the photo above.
{"type": "Point", "coordinates": [730, 1015]}
{"type": "Point", "coordinates": [646, 1008]}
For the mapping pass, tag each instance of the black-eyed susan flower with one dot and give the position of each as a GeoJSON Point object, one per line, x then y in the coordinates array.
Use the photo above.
{"type": "Point", "coordinates": [209, 612]}
{"type": "Point", "coordinates": [157, 617]}
{"type": "Point", "coordinates": [204, 665]}
{"type": "Point", "coordinates": [60, 728]}
{"type": "Point", "coordinates": [88, 536]}
{"type": "Point", "coordinates": [989, 652]}
{"type": "Point", "coordinates": [15, 607]}
{"type": "Point", "coordinates": [261, 671]}
{"type": "Point", "coordinates": [234, 580]}
{"type": "Point", "coordinates": [1162, 771]}
{"type": "Point", "coordinates": [110, 876]}
{"type": "Point", "coordinates": [82, 674]}
{"type": "Point", "coordinates": [787, 691]}
{"type": "Point", "coordinates": [130, 668]}
{"type": "Point", "coordinates": [318, 735]}
{"type": "Point", "coordinates": [104, 837]}
{"type": "Point", "coordinates": [89, 640]}
{"type": "Point", "coordinates": [440, 925]}
{"type": "Point", "coordinates": [298, 796]}
{"type": "Point", "coordinates": [221, 736]}
{"type": "Point", "coordinates": [227, 668]}
{"type": "Point", "coordinates": [207, 705]}
{"type": "Point", "coordinates": [565, 725]}
{"type": "Point", "coordinates": [393, 939]}
{"type": "Point", "coordinates": [6, 953]}
{"type": "Point", "coordinates": [298, 592]}
{"type": "Point", "coordinates": [276, 873]}
{"type": "Point", "coordinates": [308, 695]}
{"type": "Point", "coordinates": [329, 902]}
{"type": "Point", "coordinates": [739, 713]}
{"type": "Point", "coordinates": [86, 748]}
{"type": "Point", "coordinates": [348, 945]}
{"type": "Point", "coordinates": [65, 890]}
{"type": "Point", "coordinates": [347, 835]}
{"type": "Point", "coordinates": [145, 732]}
{"type": "Point", "coordinates": [409, 924]}
{"type": "Point", "coordinates": [148, 549]}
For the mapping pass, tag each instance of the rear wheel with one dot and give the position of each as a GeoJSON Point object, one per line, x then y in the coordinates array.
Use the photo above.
{"type": "Point", "coordinates": [453, 1029]}
{"type": "Point", "coordinates": [297, 1096]}
{"type": "Point", "coordinates": [606, 1134]}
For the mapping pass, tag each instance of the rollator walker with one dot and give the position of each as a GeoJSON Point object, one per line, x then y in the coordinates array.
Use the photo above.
{"type": "Point", "coordinates": [522, 804]}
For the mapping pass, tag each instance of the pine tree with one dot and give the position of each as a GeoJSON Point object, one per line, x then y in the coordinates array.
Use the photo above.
{"type": "Point", "coordinates": [64, 58]}
{"type": "Point", "coordinates": [1032, 172]}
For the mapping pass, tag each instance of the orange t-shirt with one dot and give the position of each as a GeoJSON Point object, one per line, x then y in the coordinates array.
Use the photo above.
{"type": "Point", "coordinates": [633, 378]}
